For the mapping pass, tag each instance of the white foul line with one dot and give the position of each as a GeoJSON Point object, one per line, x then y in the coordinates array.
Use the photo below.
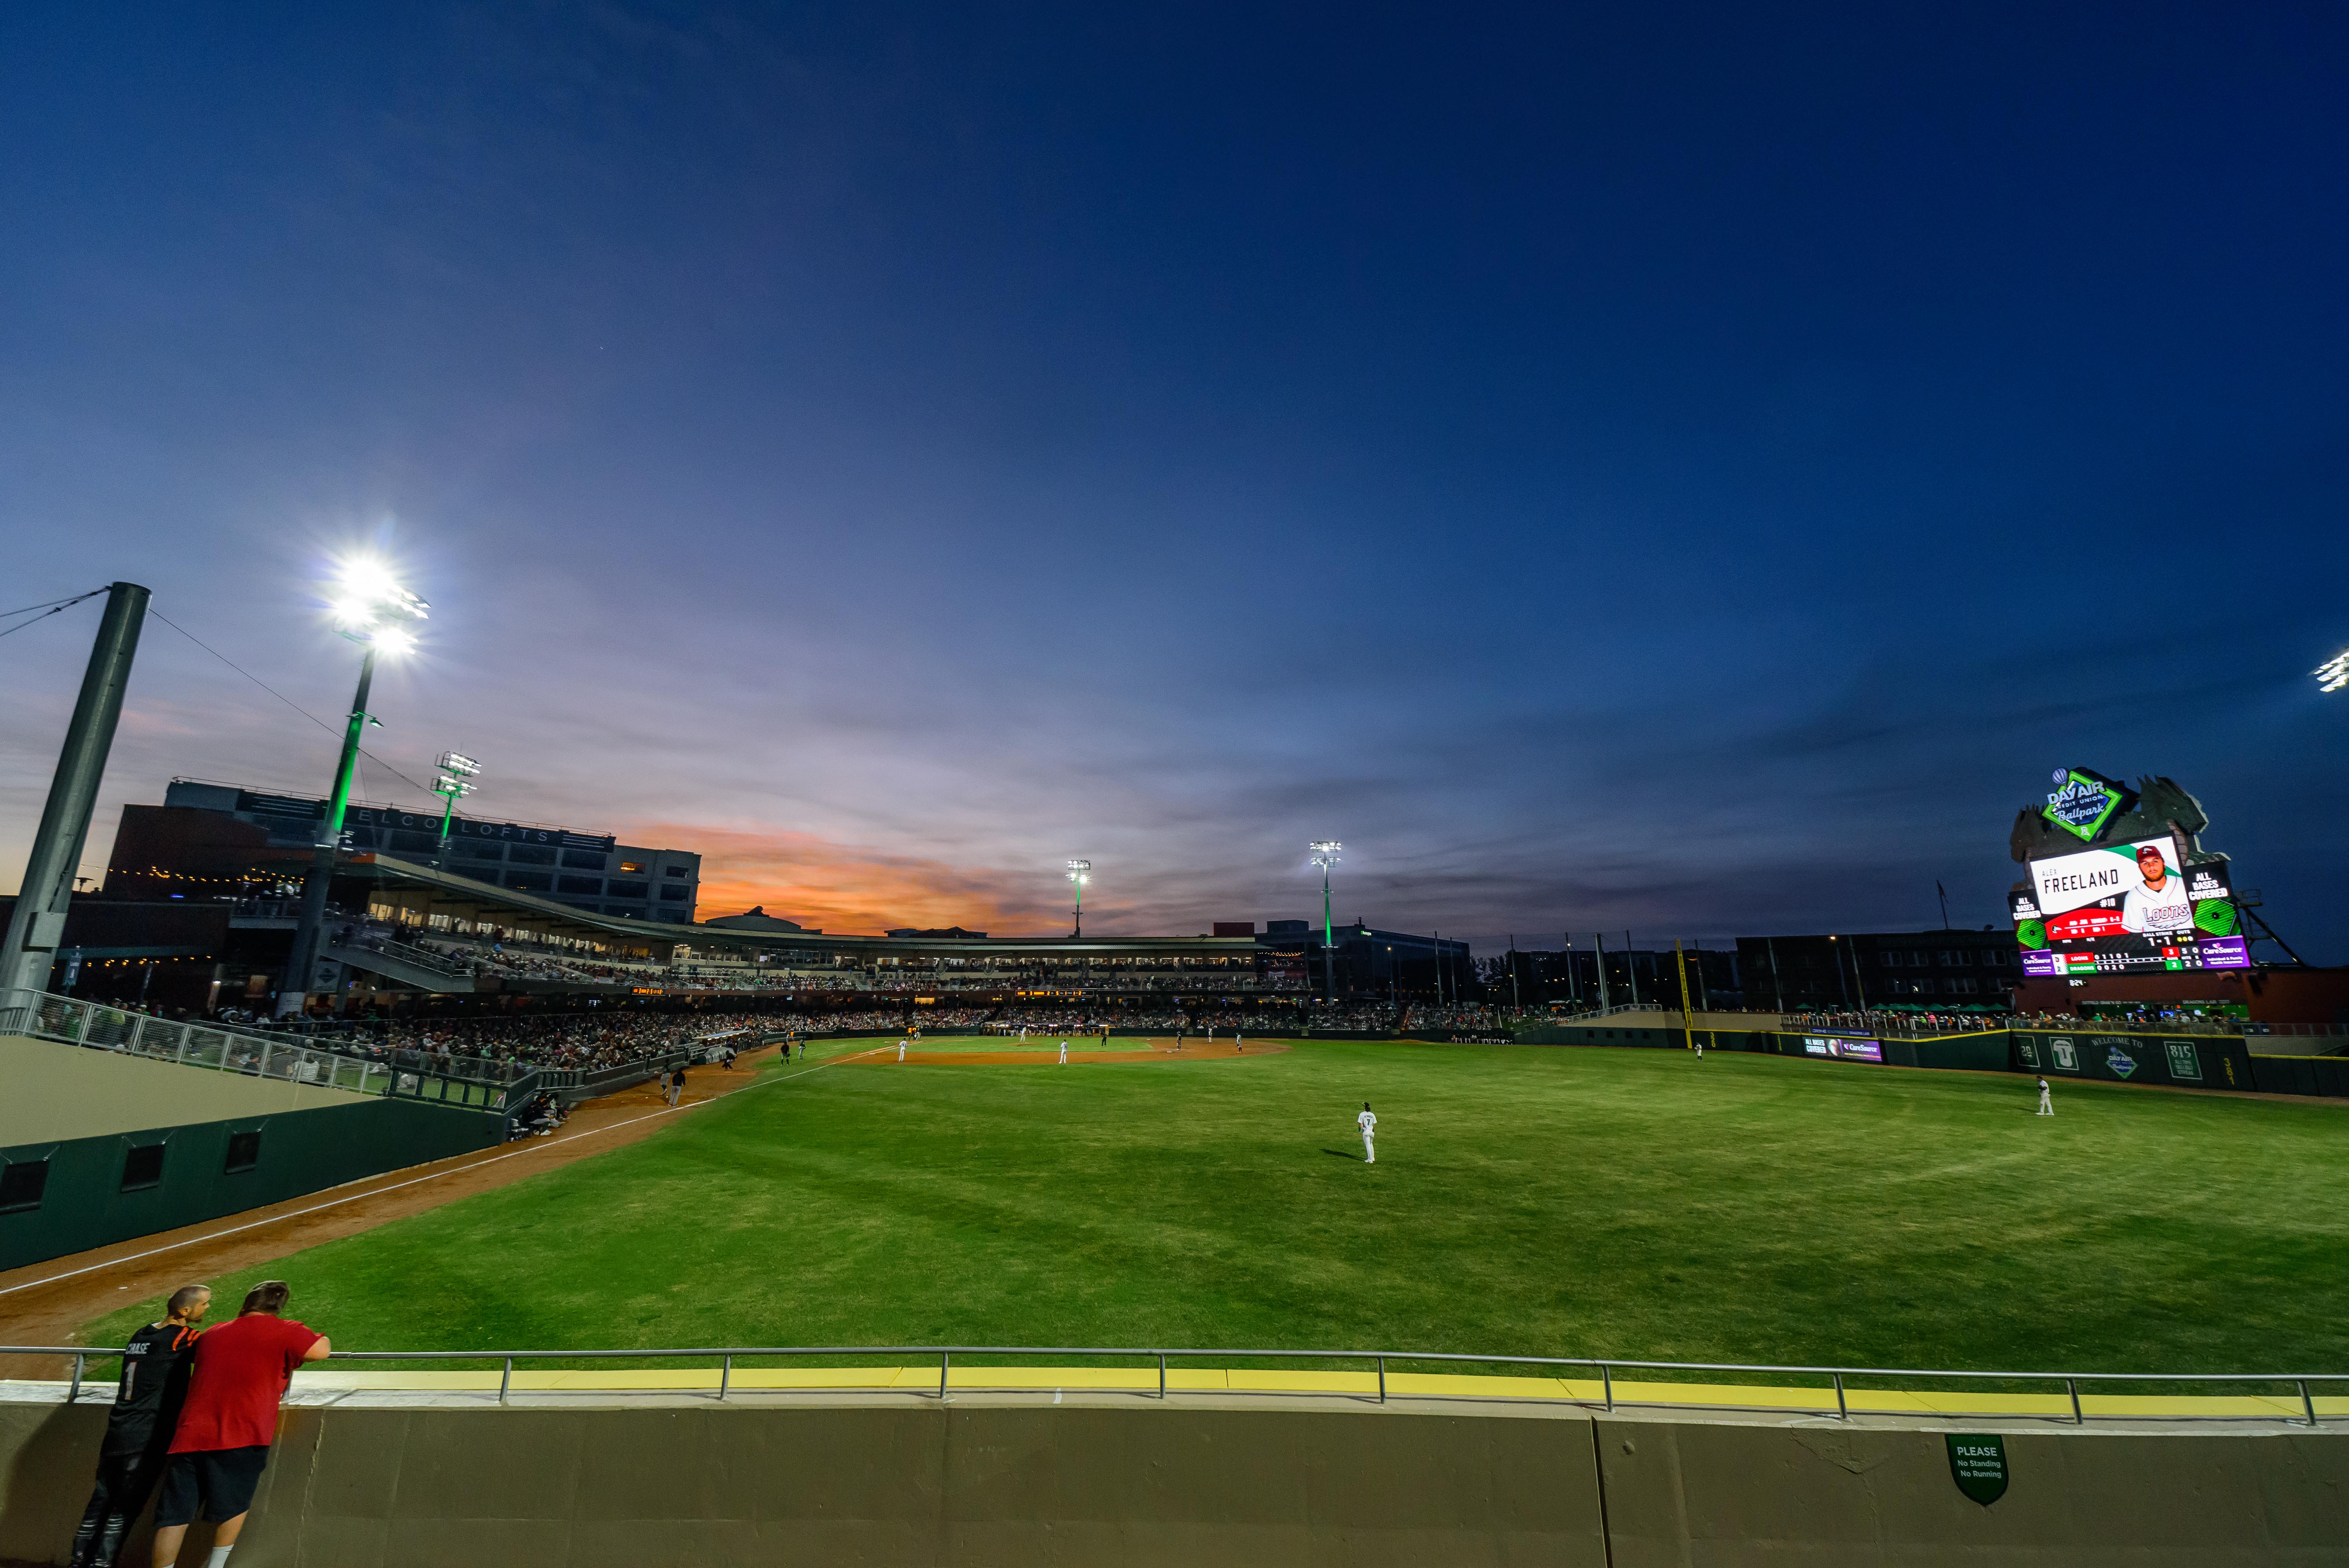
{"type": "Point", "coordinates": [379, 1192]}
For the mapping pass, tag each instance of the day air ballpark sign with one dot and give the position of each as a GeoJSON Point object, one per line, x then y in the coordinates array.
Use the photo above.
{"type": "Point", "coordinates": [2117, 883]}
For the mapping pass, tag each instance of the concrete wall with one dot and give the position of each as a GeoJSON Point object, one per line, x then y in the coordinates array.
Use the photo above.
{"type": "Point", "coordinates": [1020, 1481]}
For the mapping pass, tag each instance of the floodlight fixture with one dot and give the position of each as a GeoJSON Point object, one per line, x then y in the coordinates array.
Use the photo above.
{"type": "Point", "coordinates": [2333, 673]}
{"type": "Point", "coordinates": [1325, 855]}
{"type": "Point", "coordinates": [1079, 874]}
{"type": "Point", "coordinates": [370, 608]}
{"type": "Point", "coordinates": [457, 763]}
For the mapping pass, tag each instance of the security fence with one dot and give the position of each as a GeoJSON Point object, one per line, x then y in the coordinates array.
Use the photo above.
{"type": "Point", "coordinates": [478, 1082]}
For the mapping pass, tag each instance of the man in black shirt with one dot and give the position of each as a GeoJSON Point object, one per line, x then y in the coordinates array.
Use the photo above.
{"type": "Point", "coordinates": [155, 1366]}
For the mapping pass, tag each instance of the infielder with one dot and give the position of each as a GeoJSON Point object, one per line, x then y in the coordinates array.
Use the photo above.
{"type": "Point", "coordinates": [2046, 1098]}
{"type": "Point", "coordinates": [1369, 1126]}
{"type": "Point", "coordinates": [1064, 1053]}
{"type": "Point", "coordinates": [901, 1051]}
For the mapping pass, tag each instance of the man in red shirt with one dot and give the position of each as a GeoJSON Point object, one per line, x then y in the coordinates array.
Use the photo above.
{"type": "Point", "coordinates": [230, 1420]}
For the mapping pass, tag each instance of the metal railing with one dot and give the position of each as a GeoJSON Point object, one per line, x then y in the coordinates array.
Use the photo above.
{"type": "Point", "coordinates": [408, 952]}
{"type": "Point", "coordinates": [478, 1083]}
{"type": "Point", "coordinates": [1377, 1361]}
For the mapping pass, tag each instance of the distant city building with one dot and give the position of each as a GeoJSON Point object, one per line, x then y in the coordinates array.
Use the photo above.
{"type": "Point", "coordinates": [756, 918]}
{"type": "Point", "coordinates": [1928, 971]}
{"type": "Point", "coordinates": [205, 837]}
{"type": "Point", "coordinates": [940, 934]}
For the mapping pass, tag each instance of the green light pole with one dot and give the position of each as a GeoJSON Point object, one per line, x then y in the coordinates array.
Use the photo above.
{"type": "Point", "coordinates": [1077, 871]}
{"type": "Point", "coordinates": [1325, 855]}
{"type": "Point", "coordinates": [372, 611]}
{"type": "Point", "coordinates": [456, 768]}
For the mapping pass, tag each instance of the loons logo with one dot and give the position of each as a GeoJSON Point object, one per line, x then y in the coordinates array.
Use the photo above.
{"type": "Point", "coordinates": [2120, 1061]}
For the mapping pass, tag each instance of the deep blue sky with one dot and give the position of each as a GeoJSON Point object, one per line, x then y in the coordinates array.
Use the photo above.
{"type": "Point", "coordinates": [1690, 470]}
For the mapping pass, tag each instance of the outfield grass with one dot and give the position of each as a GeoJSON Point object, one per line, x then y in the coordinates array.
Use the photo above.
{"type": "Point", "coordinates": [1527, 1200]}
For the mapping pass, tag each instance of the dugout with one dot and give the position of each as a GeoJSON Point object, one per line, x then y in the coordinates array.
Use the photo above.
{"type": "Point", "coordinates": [97, 1147]}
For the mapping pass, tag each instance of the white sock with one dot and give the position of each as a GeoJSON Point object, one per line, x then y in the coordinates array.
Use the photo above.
{"type": "Point", "coordinates": [219, 1559]}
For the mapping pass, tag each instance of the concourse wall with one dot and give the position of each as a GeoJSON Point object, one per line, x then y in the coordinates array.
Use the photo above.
{"type": "Point", "coordinates": [905, 1481]}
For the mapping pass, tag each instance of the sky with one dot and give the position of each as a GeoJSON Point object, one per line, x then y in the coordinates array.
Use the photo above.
{"type": "Point", "coordinates": [1694, 470]}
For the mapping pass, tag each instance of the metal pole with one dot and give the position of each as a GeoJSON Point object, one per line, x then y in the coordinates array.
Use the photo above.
{"type": "Point", "coordinates": [37, 926]}
{"type": "Point", "coordinates": [1688, 1030]}
{"type": "Point", "coordinates": [2307, 1403]}
{"type": "Point", "coordinates": [1598, 939]}
{"type": "Point", "coordinates": [1631, 967]}
{"type": "Point", "coordinates": [74, 1392]}
{"type": "Point", "coordinates": [725, 1377]}
{"type": "Point", "coordinates": [1329, 960]}
{"type": "Point", "coordinates": [1843, 1411]}
{"type": "Point", "coordinates": [2072, 1387]}
{"type": "Point", "coordinates": [1161, 1373]}
{"type": "Point", "coordinates": [1607, 1383]}
{"type": "Point", "coordinates": [302, 965]}
{"type": "Point", "coordinates": [945, 1356]}
{"type": "Point", "coordinates": [1382, 1379]}
{"type": "Point", "coordinates": [505, 1378]}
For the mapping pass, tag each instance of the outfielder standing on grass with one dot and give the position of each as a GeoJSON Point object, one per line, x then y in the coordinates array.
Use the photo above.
{"type": "Point", "coordinates": [1369, 1126]}
{"type": "Point", "coordinates": [2046, 1098]}
{"type": "Point", "coordinates": [230, 1420]}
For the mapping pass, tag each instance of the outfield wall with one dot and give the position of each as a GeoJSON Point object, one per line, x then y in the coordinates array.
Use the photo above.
{"type": "Point", "coordinates": [1095, 1483]}
{"type": "Point", "coordinates": [81, 1113]}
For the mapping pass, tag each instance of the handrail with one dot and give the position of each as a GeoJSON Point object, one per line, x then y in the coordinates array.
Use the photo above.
{"type": "Point", "coordinates": [1606, 1366]}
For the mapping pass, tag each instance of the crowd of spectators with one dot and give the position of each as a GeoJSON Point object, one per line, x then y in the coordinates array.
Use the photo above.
{"type": "Point", "coordinates": [1871, 1022]}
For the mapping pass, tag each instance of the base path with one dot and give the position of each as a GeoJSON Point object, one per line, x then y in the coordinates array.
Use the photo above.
{"type": "Point", "coordinates": [49, 1303]}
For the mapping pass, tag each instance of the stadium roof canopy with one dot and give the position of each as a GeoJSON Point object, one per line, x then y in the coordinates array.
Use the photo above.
{"type": "Point", "coordinates": [424, 890]}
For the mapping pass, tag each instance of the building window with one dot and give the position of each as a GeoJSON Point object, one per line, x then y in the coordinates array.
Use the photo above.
{"type": "Point", "coordinates": [676, 894]}
{"type": "Point", "coordinates": [142, 1168]}
{"type": "Point", "coordinates": [530, 881]}
{"type": "Point", "coordinates": [21, 1185]}
{"type": "Point", "coordinates": [1996, 958]}
{"type": "Point", "coordinates": [530, 855]}
{"type": "Point", "coordinates": [582, 859]}
{"type": "Point", "coordinates": [479, 849]}
{"type": "Point", "coordinates": [416, 843]}
{"type": "Point", "coordinates": [244, 1151]}
{"type": "Point", "coordinates": [675, 872]}
{"type": "Point", "coordinates": [594, 886]}
{"type": "Point", "coordinates": [633, 868]}
{"type": "Point", "coordinates": [1962, 986]}
{"type": "Point", "coordinates": [629, 890]}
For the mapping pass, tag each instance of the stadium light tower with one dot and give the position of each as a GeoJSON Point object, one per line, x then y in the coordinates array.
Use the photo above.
{"type": "Point", "coordinates": [1078, 874]}
{"type": "Point", "coordinates": [374, 612]}
{"type": "Point", "coordinates": [2333, 673]}
{"type": "Point", "coordinates": [456, 769]}
{"type": "Point", "coordinates": [1325, 855]}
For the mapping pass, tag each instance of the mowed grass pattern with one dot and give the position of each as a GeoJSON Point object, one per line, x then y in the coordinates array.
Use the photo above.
{"type": "Point", "coordinates": [1527, 1201]}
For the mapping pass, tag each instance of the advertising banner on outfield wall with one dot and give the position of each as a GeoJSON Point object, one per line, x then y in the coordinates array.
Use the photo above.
{"type": "Point", "coordinates": [2190, 1061]}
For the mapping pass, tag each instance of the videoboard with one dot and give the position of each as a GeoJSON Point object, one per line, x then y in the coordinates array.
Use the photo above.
{"type": "Point", "coordinates": [2128, 907]}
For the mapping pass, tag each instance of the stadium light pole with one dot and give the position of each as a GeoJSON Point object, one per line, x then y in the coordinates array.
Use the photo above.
{"type": "Point", "coordinates": [373, 612]}
{"type": "Point", "coordinates": [456, 771]}
{"type": "Point", "coordinates": [1325, 855]}
{"type": "Point", "coordinates": [1078, 874]}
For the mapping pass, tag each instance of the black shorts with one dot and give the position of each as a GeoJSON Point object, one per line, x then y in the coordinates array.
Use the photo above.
{"type": "Point", "coordinates": [222, 1480]}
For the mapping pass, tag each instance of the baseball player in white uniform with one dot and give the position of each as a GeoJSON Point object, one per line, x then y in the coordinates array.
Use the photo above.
{"type": "Point", "coordinates": [901, 1051]}
{"type": "Point", "coordinates": [1064, 1053]}
{"type": "Point", "coordinates": [2046, 1098]}
{"type": "Point", "coordinates": [1369, 1126]}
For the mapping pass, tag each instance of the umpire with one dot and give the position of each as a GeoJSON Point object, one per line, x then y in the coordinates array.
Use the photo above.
{"type": "Point", "coordinates": [155, 1366]}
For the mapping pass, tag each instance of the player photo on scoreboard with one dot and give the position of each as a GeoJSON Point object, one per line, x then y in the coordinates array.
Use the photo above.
{"type": "Point", "coordinates": [2133, 903]}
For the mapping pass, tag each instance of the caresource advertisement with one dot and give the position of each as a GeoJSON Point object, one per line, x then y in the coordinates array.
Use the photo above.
{"type": "Point", "coordinates": [1842, 1049]}
{"type": "Point", "coordinates": [2127, 907]}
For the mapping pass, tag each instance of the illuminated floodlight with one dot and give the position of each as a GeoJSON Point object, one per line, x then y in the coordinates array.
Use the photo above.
{"type": "Point", "coordinates": [1077, 869]}
{"type": "Point", "coordinates": [2333, 673]}
{"type": "Point", "coordinates": [369, 607]}
{"type": "Point", "coordinates": [1325, 855]}
{"type": "Point", "coordinates": [457, 763]}
{"type": "Point", "coordinates": [1325, 852]}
